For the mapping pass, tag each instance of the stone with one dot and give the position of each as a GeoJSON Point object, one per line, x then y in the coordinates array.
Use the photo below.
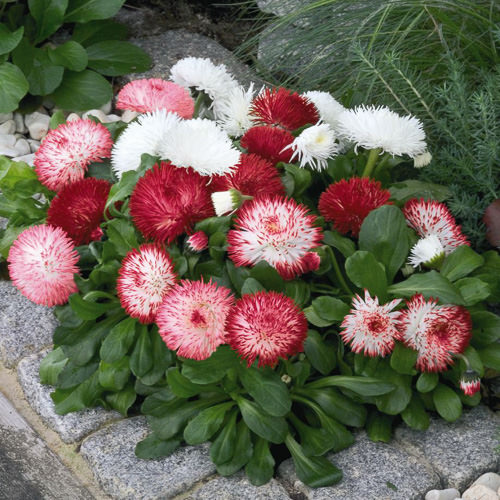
{"type": "Point", "coordinates": [448, 494]}
{"type": "Point", "coordinates": [238, 487]}
{"type": "Point", "coordinates": [370, 470]}
{"type": "Point", "coordinates": [281, 7]}
{"type": "Point", "coordinates": [110, 454]}
{"type": "Point", "coordinates": [7, 140]}
{"type": "Point", "coordinates": [23, 147]}
{"type": "Point", "coordinates": [128, 115]}
{"type": "Point", "coordinates": [113, 118]}
{"type": "Point", "coordinates": [6, 116]}
{"type": "Point", "coordinates": [25, 327]}
{"type": "Point", "coordinates": [459, 452]}
{"type": "Point", "coordinates": [34, 145]}
{"type": "Point", "coordinates": [479, 492]}
{"type": "Point", "coordinates": [490, 480]}
{"type": "Point", "coordinates": [39, 130]}
{"type": "Point", "coordinates": [106, 108]}
{"type": "Point", "coordinates": [8, 127]}
{"type": "Point", "coordinates": [19, 121]}
{"type": "Point", "coordinates": [97, 113]}
{"type": "Point", "coordinates": [72, 117]}
{"type": "Point", "coordinates": [29, 159]}
{"type": "Point", "coordinates": [8, 151]}
{"type": "Point", "coordinates": [72, 427]}
{"type": "Point", "coordinates": [143, 21]}
{"type": "Point", "coordinates": [35, 117]}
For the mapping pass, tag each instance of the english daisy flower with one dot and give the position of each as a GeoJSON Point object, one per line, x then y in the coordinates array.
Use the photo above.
{"type": "Point", "coordinates": [470, 383]}
{"type": "Point", "coordinates": [225, 202]}
{"type": "Point", "coordinates": [278, 231]}
{"type": "Point", "coordinates": [66, 152]}
{"type": "Point", "coordinates": [267, 326]}
{"type": "Point", "coordinates": [314, 146]}
{"type": "Point", "coordinates": [328, 107]}
{"type": "Point", "coordinates": [78, 209]}
{"type": "Point", "coordinates": [370, 328]}
{"type": "Point", "coordinates": [42, 264]}
{"type": "Point", "coordinates": [378, 127]}
{"type": "Point", "coordinates": [167, 201]}
{"type": "Point", "coordinates": [154, 93]}
{"type": "Point", "coordinates": [433, 218]}
{"type": "Point", "coordinates": [144, 278]}
{"type": "Point", "coordinates": [268, 142]}
{"type": "Point", "coordinates": [422, 160]}
{"type": "Point", "coordinates": [197, 242]}
{"type": "Point", "coordinates": [428, 251]}
{"type": "Point", "coordinates": [192, 318]}
{"type": "Point", "coordinates": [436, 332]}
{"type": "Point", "coordinates": [283, 108]}
{"type": "Point", "coordinates": [347, 202]}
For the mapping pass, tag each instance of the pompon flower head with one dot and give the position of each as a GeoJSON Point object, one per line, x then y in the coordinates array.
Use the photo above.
{"type": "Point", "coordinates": [144, 278]}
{"type": "Point", "coordinates": [268, 142]}
{"type": "Point", "coordinates": [78, 209]}
{"type": "Point", "coordinates": [146, 135]}
{"type": "Point", "coordinates": [225, 202]}
{"type": "Point", "coordinates": [283, 108]}
{"type": "Point", "coordinates": [370, 328]}
{"type": "Point", "coordinates": [267, 326]}
{"type": "Point", "coordinates": [470, 383]}
{"type": "Point", "coordinates": [314, 146]}
{"type": "Point", "coordinates": [347, 202]}
{"type": "Point", "coordinates": [378, 127]}
{"type": "Point", "coordinates": [201, 145]}
{"type": "Point", "coordinates": [197, 242]}
{"type": "Point", "coordinates": [436, 332]}
{"type": "Point", "coordinates": [66, 152]}
{"type": "Point", "coordinates": [433, 218]}
{"type": "Point", "coordinates": [42, 264]}
{"type": "Point", "coordinates": [428, 251]}
{"type": "Point", "coordinates": [278, 231]}
{"type": "Point", "coordinates": [204, 75]}
{"type": "Point", "coordinates": [154, 93]}
{"type": "Point", "coordinates": [328, 107]}
{"type": "Point", "coordinates": [422, 160]}
{"type": "Point", "coordinates": [167, 201]}
{"type": "Point", "coordinates": [192, 318]}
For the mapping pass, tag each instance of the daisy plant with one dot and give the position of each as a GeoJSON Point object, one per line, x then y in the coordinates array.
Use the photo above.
{"type": "Point", "coordinates": [250, 269]}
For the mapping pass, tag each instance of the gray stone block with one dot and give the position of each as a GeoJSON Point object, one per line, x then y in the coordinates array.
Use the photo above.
{"type": "Point", "coordinates": [238, 487]}
{"type": "Point", "coordinates": [72, 427]}
{"type": "Point", "coordinates": [281, 7]}
{"type": "Point", "coordinates": [371, 471]}
{"type": "Point", "coordinates": [110, 454]}
{"type": "Point", "coordinates": [460, 451]}
{"type": "Point", "coordinates": [25, 327]}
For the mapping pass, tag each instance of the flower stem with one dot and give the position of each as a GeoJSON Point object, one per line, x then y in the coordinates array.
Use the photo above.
{"type": "Point", "coordinates": [338, 273]}
{"type": "Point", "coordinates": [372, 160]}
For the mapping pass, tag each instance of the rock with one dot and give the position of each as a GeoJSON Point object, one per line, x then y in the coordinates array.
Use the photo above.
{"type": "Point", "coordinates": [128, 115]}
{"type": "Point", "coordinates": [6, 116]}
{"type": "Point", "coordinates": [490, 480]}
{"type": "Point", "coordinates": [281, 7]}
{"type": "Point", "coordinates": [8, 151]}
{"type": "Point", "coordinates": [479, 492]}
{"type": "Point", "coordinates": [142, 22]}
{"type": "Point", "coordinates": [448, 494]}
{"type": "Point", "coordinates": [72, 117]}
{"type": "Point", "coordinates": [113, 118]}
{"type": "Point", "coordinates": [19, 121]}
{"type": "Point", "coordinates": [29, 159]}
{"type": "Point", "coordinates": [35, 117]}
{"type": "Point", "coordinates": [23, 147]}
{"type": "Point", "coordinates": [110, 454]}
{"type": "Point", "coordinates": [106, 108]}
{"type": "Point", "coordinates": [34, 145]}
{"type": "Point", "coordinates": [7, 140]}
{"type": "Point", "coordinates": [8, 127]}
{"type": "Point", "coordinates": [96, 113]}
{"type": "Point", "coordinates": [25, 327]}
{"type": "Point", "coordinates": [370, 470]}
{"type": "Point", "coordinates": [38, 130]}
{"type": "Point", "coordinates": [459, 452]}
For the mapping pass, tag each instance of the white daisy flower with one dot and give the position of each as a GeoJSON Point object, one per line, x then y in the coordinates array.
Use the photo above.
{"type": "Point", "coordinates": [314, 146]}
{"type": "Point", "coordinates": [146, 135]}
{"type": "Point", "coordinates": [201, 145]}
{"type": "Point", "coordinates": [225, 202]}
{"type": "Point", "coordinates": [428, 251]}
{"type": "Point", "coordinates": [422, 160]}
{"type": "Point", "coordinates": [328, 107]}
{"type": "Point", "coordinates": [204, 75]}
{"type": "Point", "coordinates": [233, 110]}
{"type": "Point", "coordinates": [378, 127]}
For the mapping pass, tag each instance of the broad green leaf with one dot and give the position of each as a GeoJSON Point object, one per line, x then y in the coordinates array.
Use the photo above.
{"type": "Point", "coordinates": [251, 286]}
{"type": "Point", "coordinates": [98, 31]}
{"type": "Point", "coordinates": [397, 400]}
{"type": "Point", "coordinates": [51, 365]}
{"type": "Point", "coordinates": [403, 359]}
{"type": "Point", "coordinates": [72, 374]}
{"type": "Point", "coordinates": [159, 402]}
{"type": "Point", "coordinates": [49, 15]}
{"type": "Point", "coordinates": [344, 245]}
{"type": "Point", "coordinates": [414, 415]}
{"type": "Point", "coordinates": [403, 191]}
{"type": "Point", "coordinates": [181, 386]}
{"type": "Point", "coordinates": [364, 386]}
{"type": "Point", "coordinates": [299, 291]}
{"type": "Point", "coordinates": [237, 275]}
{"type": "Point", "coordinates": [222, 448]}
{"type": "Point", "coordinates": [379, 426]}
{"type": "Point", "coordinates": [314, 318]}
{"type": "Point", "coordinates": [82, 11]}
{"type": "Point", "coordinates": [320, 354]}
{"type": "Point", "coordinates": [243, 450]}
{"type": "Point", "coordinates": [118, 341]}
{"type": "Point", "coordinates": [9, 40]}
{"type": "Point", "coordinates": [314, 440]}
{"type": "Point", "coordinates": [301, 176]}
{"type": "Point", "coordinates": [122, 234]}
{"type": "Point", "coordinates": [260, 468]}
{"type": "Point", "coordinates": [330, 308]}
{"type": "Point", "coordinates": [8, 237]}
{"type": "Point", "coordinates": [427, 382]}
{"type": "Point", "coordinates": [122, 400]}
{"type": "Point", "coordinates": [14, 87]}
{"type": "Point", "coordinates": [83, 396]}
{"type": "Point", "coordinates": [268, 276]}
{"type": "Point", "coordinates": [366, 272]}
{"type": "Point", "coordinates": [473, 290]}
{"type": "Point", "coordinates": [447, 403]}
{"type": "Point", "coordinates": [474, 360]}
{"type": "Point", "coordinates": [162, 359]}
{"type": "Point", "coordinates": [141, 359]}
{"type": "Point", "coordinates": [212, 369]}
{"type": "Point", "coordinates": [461, 262]}
{"type": "Point", "coordinates": [204, 425]}
{"type": "Point", "coordinates": [152, 447]}
{"type": "Point", "coordinates": [88, 310]}
{"type": "Point", "coordinates": [114, 376]}
{"type": "Point", "coordinates": [490, 356]}
{"type": "Point", "coordinates": [57, 119]}
{"type": "Point", "coordinates": [71, 55]}
{"type": "Point", "coordinates": [485, 328]}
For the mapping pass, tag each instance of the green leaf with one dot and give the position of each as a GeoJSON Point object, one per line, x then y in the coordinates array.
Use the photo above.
{"type": "Point", "coordinates": [251, 285]}
{"type": "Point", "coordinates": [82, 90]}
{"type": "Point", "coordinates": [202, 427]}
{"type": "Point", "coordinates": [72, 374]}
{"type": "Point", "coordinates": [403, 191]}
{"type": "Point", "coordinates": [431, 284]}
{"type": "Point", "coordinates": [122, 400]}
{"type": "Point", "coordinates": [115, 58]}
{"type": "Point", "coordinates": [267, 389]}
{"type": "Point", "coordinates": [379, 427]}
{"type": "Point", "coordinates": [212, 369]}
{"type": "Point", "coordinates": [159, 403]}
{"type": "Point", "coordinates": [344, 245]}
{"type": "Point", "coordinates": [14, 87]}
{"type": "Point", "coordinates": [152, 447]}
{"type": "Point", "coordinates": [314, 441]}
{"type": "Point", "coordinates": [57, 119]}
{"type": "Point", "coordinates": [427, 382]}
{"type": "Point", "coordinates": [330, 309]}
{"type": "Point", "coordinates": [114, 376]}
{"type": "Point", "coordinates": [9, 40]}
{"type": "Point", "coordinates": [222, 449]}
{"type": "Point", "coordinates": [86, 309]}
{"type": "Point", "coordinates": [98, 31]}
{"type": "Point", "coordinates": [490, 356]}
{"type": "Point", "coordinates": [71, 55]}
{"type": "Point", "coordinates": [268, 276]}
{"type": "Point", "coordinates": [141, 359]}
{"type": "Point", "coordinates": [461, 262]}
{"type": "Point", "coordinates": [83, 396]}
{"type": "Point", "coordinates": [397, 400]}
{"type": "Point", "coordinates": [122, 234]}
{"type": "Point", "coordinates": [82, 11]}
{"type": "Point", "coordinates": [301, 176]}
{"type": "Point", "coordinates": [485, 328]}
{"type": "Point", "coordinates": [260, 468]}
{"type": "Point", "coordinates": [364, 386]}
{"type": "Point", "coordinates": [299, 291]}
{"type": "Point", "coordinates": [118, 341]}
{"type": "Point", "coordinates": [49, 15]}
{"type": "Point", "coordinates": [403, 359]}
{"type": "Point", "coordinates": [473, 290]}
{"type": "Point", "coordinates": [52, 365]}
{"type": "Point", "coordinates": [447, 403]}
{"type": "Point", "coordinates": [366, 272]}
{"type": "Point", "coordinates": [181, 386]}
{"type": "Point", "coordinates": [243, 451]}
{"type": "Point", "coordinates": [414, 415]}
{"type": "Point", "coordinates": [316, 320]}
{"type": "Point", "coordinates": [320, 354]}
{"type": "Point", "coordinates": [162, 359]}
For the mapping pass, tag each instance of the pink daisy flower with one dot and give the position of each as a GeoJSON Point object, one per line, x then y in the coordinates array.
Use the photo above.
{"type": "Point", "coordinates": [145, 277]}
{"type": "Point", "coordinates": [154, 93]}
{"type": "Point", "coordinates": [370, 328]}
{"type": "Point", "coordinates": [268, 326]}
{"type": "Point", "coordinates": [78, 208]}
{"type": "Point", "coordinates": [470, 382]}
{"type": "Point", "coordinates": [436, 332]}
{"type": "Point", "coordinates": [269, 142]}
{"type": "Point", "coordinates": [67, 151]}
{"type": "Point", "coordinates": [278, 231]}
{"type": "Point", "coordinates": [433, 218]}
{"type": "Point", "coordinates": [42, 263]}
{"type": "Point", "coordinates": [192, 318]}
{"type": "Point", "coordinates": [198, 241]}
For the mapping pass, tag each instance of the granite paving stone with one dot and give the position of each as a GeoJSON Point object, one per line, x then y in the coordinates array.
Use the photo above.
{"type": "Point", "coordinates": [72, 427]}
{"type": "Point", "coordinates": [460, 451]}
{"type": "Point", "coordinates": [25, 327]}
{"type": "Point", "coordinates": [110, 454]}
{"type": "Point", "coordinates": [371, 471]}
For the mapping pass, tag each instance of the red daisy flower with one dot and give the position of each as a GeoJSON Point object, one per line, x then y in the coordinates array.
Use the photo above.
{"type": "Point", "coordinates": [283, 108]}
{"type": "Point", "coordinates": [154, 93]}
{"type": "Point", "coordinates": [145, 277]}
{"type": "Point", "coordinates": [347, 202]}
{"type": "Point", "coordinates": [67, 151]}
{"type": "Point", "coordinates": [198, 241]}
{"type": "Point", "coordinates": [268, 142]}
{"type": "Point", "coordinates": [370, 327]}
{"type": "Point", "coordinates": [435, 332]}
{"type": "Point", "coordinates": [192, 318]}
{"type": "Point", "coordinates": [268, 326]}
{"type": "Point", "coordinates": [470, 382]}
{"type": "Point", "coordinates": [78, 208]}
{"type": "Point", "coordinates": [429, 218]}
{"type": "Point", "coordinates": [42, 264]}
{"type": "Point", "coordinates": [167, 201]}
{"type": "Point", "coordinates": [278, 231]}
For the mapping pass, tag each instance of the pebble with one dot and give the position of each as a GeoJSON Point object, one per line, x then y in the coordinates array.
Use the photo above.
{"type": "Point", "coordinates": [72, 117]}
{"type": "Point", "coordinates": [34, 145]}
{"type": "Point", "coordinates": [490, 480]}
{"type": "Point", "coordinates": [6, 116]}
{"type": "Point", "coordinates": [23, 147]}
{"type": "Point", "coordinates": [128, 115]}
{"type": "Point", "coordinates": [35, 117]}
{"type": "Point", "coordinates": [19, 121]}
{"type": "Point", "coordinates": [7, 140]}
{"type": "Point", "coordinates": [106, 109]}
{"type": "Point", "coordinates": [479, 492]}
{"type": "Point", "coordinates": [96, 113]}
{"type": "Point", "coordinates": [8, 151]}
{"type": "Point", "coordinates": [8, 127]}
{"type": "Point", "coordinates": [448, 494]}
{"type": "Point", "coordinates": [29, 159]}
{"type": "Point", "coordinates": [113, 118]}
{"type": "Point", "coordinates": [39, 130]}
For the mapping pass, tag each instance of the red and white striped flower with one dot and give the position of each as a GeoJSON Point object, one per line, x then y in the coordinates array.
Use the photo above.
{"type": "Point", "coordinates": [278, 231]}
{"type": "Point", "coordinates": [370, 328]}
{"type": "Point", "coordinates": [470, 383]}
{"type": "Point", "coordinates": [198, 241]}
